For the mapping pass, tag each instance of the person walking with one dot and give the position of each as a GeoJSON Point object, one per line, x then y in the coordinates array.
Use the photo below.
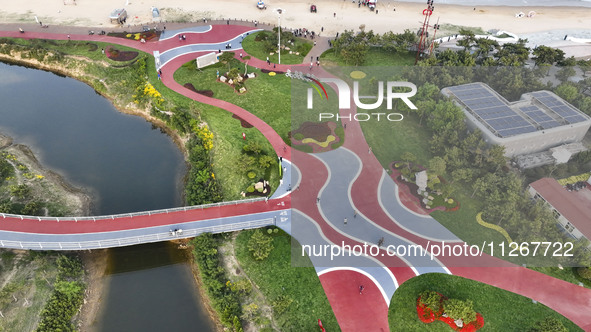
{"type": "Point", "coordinates": [361, 288]}
{"type": "Point", "coordinates": [268, 61]}
{"type": "Point", "coordinates": [345, 221]}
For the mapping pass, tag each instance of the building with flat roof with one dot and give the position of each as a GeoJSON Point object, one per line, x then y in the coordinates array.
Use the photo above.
{"type": "Point", "coordinates": [539, 121]}
{"type": "Point", "coordinates": [572, 209]}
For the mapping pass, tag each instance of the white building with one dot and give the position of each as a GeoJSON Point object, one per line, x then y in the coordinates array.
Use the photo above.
{"type": "Point", "coordinates": [571, 209]}
{"type": "Point", "coordinates": [537, 122]}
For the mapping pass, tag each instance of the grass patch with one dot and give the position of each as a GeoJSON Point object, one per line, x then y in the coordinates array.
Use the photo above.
{"type": "Point", "coordinates": [463, 221]}
{"type": "Point", "coordinates": [228, 144]}
{"type": "Point", "coordinates": [390, 139]}
{"type": "Point", "coordinates": [267, 97]}
{"type": "Point", "coordinates": [452, 29]}
{"type": "Point", "coordinates": [376, 56]}
{"type": "Point", "coordinates": [257, 48]}
{"type": "Point", "coordinates": [275, 277]}
{"type": "Point", "coordinates": [502, 310]}
{"type": "Point", "coordinates": [227, 140]}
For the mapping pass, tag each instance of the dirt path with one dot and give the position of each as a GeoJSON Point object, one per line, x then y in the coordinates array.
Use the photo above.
{"type": "Point", "coordinates": [235, 271]}
{"type": "Point", "coordinates": [95, 264]}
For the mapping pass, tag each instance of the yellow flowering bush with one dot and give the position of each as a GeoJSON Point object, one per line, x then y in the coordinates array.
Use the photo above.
{"type": "Point", "coordinates": [148, 92]}
{"type": "Point", "coordinates": [205, 135]}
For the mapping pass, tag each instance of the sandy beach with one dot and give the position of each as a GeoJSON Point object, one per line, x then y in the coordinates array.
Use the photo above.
{"type": "Point", "coordinates": [389, 16]}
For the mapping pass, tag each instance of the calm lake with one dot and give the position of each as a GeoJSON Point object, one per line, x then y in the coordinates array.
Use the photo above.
{"type": "Point", "coordinates": [127, 165]}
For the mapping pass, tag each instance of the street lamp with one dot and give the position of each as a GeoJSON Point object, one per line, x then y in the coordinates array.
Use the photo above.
{"type": "Point", "coordinates": [279, 12]}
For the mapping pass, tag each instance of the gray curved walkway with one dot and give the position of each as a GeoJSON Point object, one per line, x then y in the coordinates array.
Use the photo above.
{"type": "Point", "coordinates": [167, 34]}
{"type": "Point", "coordinates": [336, 205]}
{"type": "Point", "coordinates": [236, 43]}
{"type": "Point", "coordinates": [368, 266]}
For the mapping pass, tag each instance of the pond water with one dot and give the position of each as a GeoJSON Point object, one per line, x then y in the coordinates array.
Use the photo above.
{"type": "Point", "coordinates": [127, 165]}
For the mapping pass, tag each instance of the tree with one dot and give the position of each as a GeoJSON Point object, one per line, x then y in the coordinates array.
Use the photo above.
{"type": "Point", "coordinates": [408, 158]}
{"type": "Point", "coordinates": [564, 73]}
{"type": "Point", "coordinates": [437, 166]}
{"type": "Point", "coordinates": [584, 272]}
{"type": "Point", "coordinates": [467, 40]}
{"type": "Point", "coordinates": [485, 46]}
{"type": "Point", "coordinates": [548, 55]}
{"type": "Point", "coordinates": [266, 161]}
{"type": "Point", "coordinates": [513, 54]}
{"type": "Point", "coordinates": [245, 162]}
{"type": "Point", "coordinates": [463, 175]}
{"type": "Point", "coordinates": [226, 58]}
{"type": "Point", "coordinates": [458, 309]}
{"type": "Point", "coordinates": [260, 245]}
{"type": "Point", "coordinates": [549, 324]}
{"type": "Point", "coordinates": [567, 92]}
{"type": "Point", "coordinates": [432, 300]}
{"type": "Point", "coordinates": [355, 53]}
{"type": "Point", "coordinates": [253, 146]}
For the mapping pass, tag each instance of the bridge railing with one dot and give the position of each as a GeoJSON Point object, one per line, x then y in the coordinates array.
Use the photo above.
{"type": "Point", "coordinates": [133, 214]}
{"type": "Point", "coordinates": [133, 240]}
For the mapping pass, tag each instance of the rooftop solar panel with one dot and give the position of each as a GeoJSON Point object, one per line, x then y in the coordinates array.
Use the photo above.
{"type": "Point", "coordinates": [575, 118]}
{"type": "Point", "coordinates": [494, 111]}
{"type": "Point", "coordinates": [549, 124]}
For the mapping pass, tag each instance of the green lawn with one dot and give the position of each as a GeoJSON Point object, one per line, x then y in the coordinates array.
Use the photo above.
{"type": "Point", "coordinates": [501, 310]}
{"type": "Point", "coordinates": [463, 221]}
{"type": "Point", "coordinates": [389, 140]}
{"type": "Point", "coordinates": [375, 57]}
{"type": "Point", "coordinates": [275, 277]}
{"type": "Point", "coordinates": [452, 29]}
{"type": "Point", "coordinates": [267, 97]}
{"type": "Point", "coordinates": [256, 49]}
{"type": "Point", "coordinates": [227, 139]}
{"type": "Point", "coordinates": [228, 145]}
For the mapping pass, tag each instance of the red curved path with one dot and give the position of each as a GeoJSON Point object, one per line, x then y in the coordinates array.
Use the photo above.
{"type": "Point", "coordinates": [354, 312]}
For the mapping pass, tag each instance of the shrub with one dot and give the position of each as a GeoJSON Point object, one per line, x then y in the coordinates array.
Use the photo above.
{"type": "Point", "coordinates": [250, 189]}
{"type": "Point", "coordinates": [251, 175]}
{"type": "Point", "coordinates": [281, 303]}
{"type": "Point", "coordinates": [550, 324]}
{"type": "Point", "coordinates": [459, 309]}
{"type": "Point", "coordinates": [298, 136]}
{"type": "Point", "coordinates": [224, 299]}
{"type": "Point", "coordinates": [260, 245]}
{"type": "Point", "coordinates": [584, 272]}
{"type": "Point", "coordinates": [432, 300]}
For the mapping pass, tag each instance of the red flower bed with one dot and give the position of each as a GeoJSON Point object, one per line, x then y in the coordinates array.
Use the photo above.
{"type": "Point", "coordinates": [426, 315]}
{"type": "Point", "coordinates": [455, 208]}
{"type": "Point", "coordinates": [117, 55]}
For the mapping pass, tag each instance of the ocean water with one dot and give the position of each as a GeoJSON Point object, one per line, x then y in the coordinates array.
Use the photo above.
{"type": "Point", "coordinates": [515, 3]}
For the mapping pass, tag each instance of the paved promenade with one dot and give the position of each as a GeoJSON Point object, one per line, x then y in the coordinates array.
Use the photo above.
{"type": "Point", "coordinates": [339, 197]}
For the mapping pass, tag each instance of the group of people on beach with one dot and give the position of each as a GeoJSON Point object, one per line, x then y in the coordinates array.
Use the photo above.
{"type": "Point", "coordinates": [303, 32]}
